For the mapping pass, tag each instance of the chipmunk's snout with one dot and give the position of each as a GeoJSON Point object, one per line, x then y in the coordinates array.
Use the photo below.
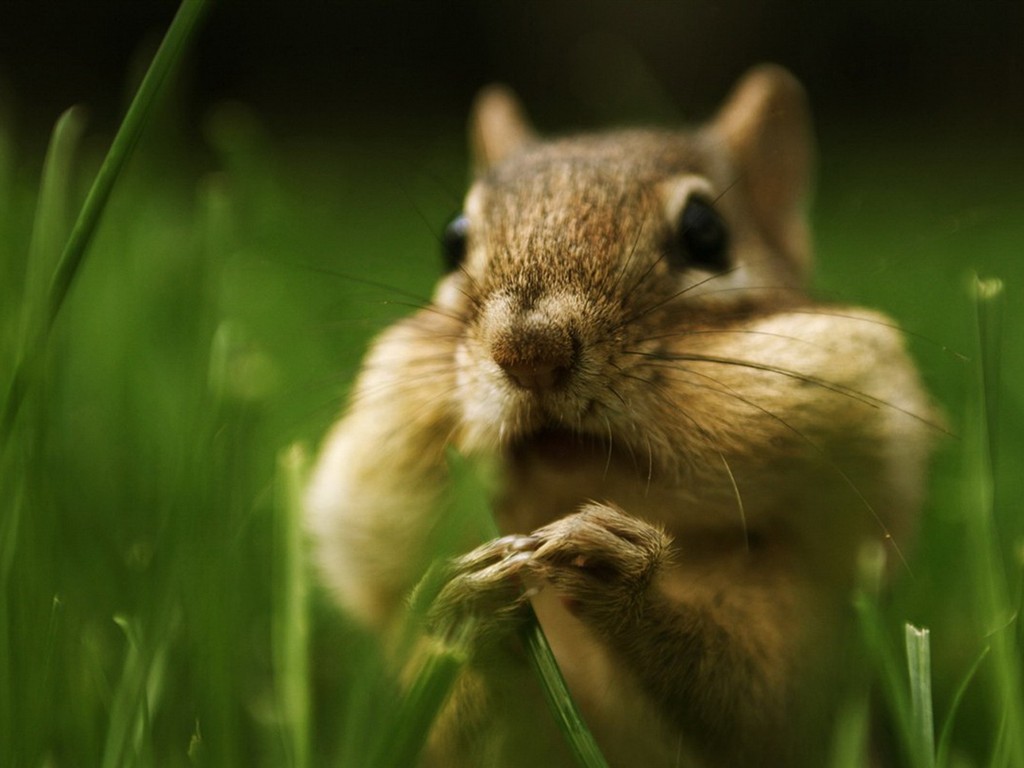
{"type": "Point", "coordinates": [537, 359]}
{"type": "Point", "coordinates": [536, 349]}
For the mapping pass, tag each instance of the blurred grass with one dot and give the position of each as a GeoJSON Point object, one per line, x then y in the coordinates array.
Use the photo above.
{"type": "Point", "coordinates": [153, 604]}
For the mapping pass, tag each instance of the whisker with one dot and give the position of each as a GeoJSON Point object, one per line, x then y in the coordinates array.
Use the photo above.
{"type": "Point", "coordinates": [840, 389]}
{"type": "Point", "coordinates": [650, 465]}
{"type": "Point", "coordinates": [407, 385]}
{"type": "Point", "coordinates": [711, 441]}
{"type": "Point", "coordinates": [475, 292]}
{"type": "Point", "coordinates": [894, 326]}
{"type": "Point", "coordinates": [424, 413]}
{"type": "Point", "coordinates": [824, 311]}
{"type": "Point", "coordinates": [745, 331]}
{"type": "Point", "coordinates": [608, 458]}
{"type": "Point", "coordinates": [640, 315]}
{"type": "Point", "coordinates": [418, 307]}
{"type": "Point", "coordinates": [615, 392]}
{"type": "Point", "coordinates": [623, 270]}
{"type": "Point", "coordinates": [421, 301]}
{"type": "Point", "coordinates": [728, 187]}
{"type": "Point", "coordinates": [433, 309]}
{"type": "Point", "coordinates": [634, 288]}
{"type": "Point", "coordinates": [739, 499]}
{"type": "Point", "coordinates": [747, 290]}
{"type": "Point", "coordinates": [724, 389]}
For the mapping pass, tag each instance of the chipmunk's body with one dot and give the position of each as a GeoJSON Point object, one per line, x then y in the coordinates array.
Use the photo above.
{"type": "Point", "coordinates": [695, 451]}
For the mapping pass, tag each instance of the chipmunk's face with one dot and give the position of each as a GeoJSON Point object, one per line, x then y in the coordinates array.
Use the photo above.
{"type": "Point", "coordinates": [577, 264]}
{"type": "Point", "coordinates": [574, 266]}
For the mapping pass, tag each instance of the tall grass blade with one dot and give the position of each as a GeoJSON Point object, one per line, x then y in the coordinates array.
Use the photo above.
{"type": "Point", "coordinates": [48, 230]}
{"type": "Point", "coordinates": [577, 734]}
{"type": "Point", "coordinates": [919, 665]}
{"type": "Point", "coordinates": [542, 659]}
{"type": "Point", "coordinates": [995, 609]}
{"type": "Point", "coordinates": [179, 34]}
{"type": "Point", "coordinates": [136, 697]}
{"type": "Point", "coordinates": [438, 675]}
{"type": "Point", "coordinates": [852, 732]}
{"type": "Point", "coordinates": [8, 538]}
{"type": "Point", "coordinates": [942, 753]}
{"type": "Point", "coordinates": [423, 701]}
{"type": "Point", "coordinates": [50, 225]}
{"type": "Point", "coordinates": [291, 610]}
{"type": "Point", "coordinates": [881, 654]}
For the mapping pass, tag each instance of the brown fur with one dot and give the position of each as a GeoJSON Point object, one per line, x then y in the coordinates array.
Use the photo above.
{"type": "Point", "coordinates": [693, 461]}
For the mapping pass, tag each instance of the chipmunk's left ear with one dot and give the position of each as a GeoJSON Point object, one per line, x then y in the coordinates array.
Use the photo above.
{"type": "Point", "coordinates": [766, 125]}
{"type": "Point", "coordinates": [498, 126]}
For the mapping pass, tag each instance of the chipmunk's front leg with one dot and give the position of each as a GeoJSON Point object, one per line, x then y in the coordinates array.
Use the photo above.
{"type": "Point", "coordinates": [719, 644]}
{"type": "Point", "coordinates": [372, 501]}
{"type": "Point", "coordinates": [713, 648]}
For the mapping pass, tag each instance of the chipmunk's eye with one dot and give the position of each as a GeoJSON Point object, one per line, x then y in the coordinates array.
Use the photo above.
{"type": "Point", "coordinates": [453, 242]}
{"type": "Point", "coordinates": [702, 236]}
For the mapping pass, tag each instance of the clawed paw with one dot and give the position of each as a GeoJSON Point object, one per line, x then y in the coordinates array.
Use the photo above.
{"type": "Point", "coordinates": [485, 586]}
{"type": "Point", "coordinates": [600, 559]}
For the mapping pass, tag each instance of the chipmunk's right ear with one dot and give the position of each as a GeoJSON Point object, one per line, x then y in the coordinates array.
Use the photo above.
{"type": "Point", "coordinates": [498, 126]}
{"type": "Point", "coordinates": [766, 125]}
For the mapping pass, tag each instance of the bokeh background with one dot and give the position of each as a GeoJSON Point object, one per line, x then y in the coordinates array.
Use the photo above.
{"type": "Point", "coordinates": [905, 65]}
{"type": "Point", "coordinates": [928, 93]}
{"type": "Point", "coordinates": [285, 204]}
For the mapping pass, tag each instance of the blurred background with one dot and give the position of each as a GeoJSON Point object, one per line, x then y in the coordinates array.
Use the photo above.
{"type": "Point", "coordinates": [285, 204]}
{"type": "Point", "coordinates": [374, 96]}
{"type": "Point", "coordinates": [312, 65]}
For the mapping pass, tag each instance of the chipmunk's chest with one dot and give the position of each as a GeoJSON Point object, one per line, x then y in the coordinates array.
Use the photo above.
{"type": "Point", "coordinates": [560, 473]}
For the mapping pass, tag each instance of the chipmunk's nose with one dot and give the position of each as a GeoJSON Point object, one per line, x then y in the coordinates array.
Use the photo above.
{"type": "Point", "coordinates": [537, 359]}
{"type": "Point", "coordinates": [535, 375]}
{"type": "Point", "coordinates": [533, 342]}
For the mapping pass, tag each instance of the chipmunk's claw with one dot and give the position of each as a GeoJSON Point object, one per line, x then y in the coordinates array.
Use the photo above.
{"type": "Point", "coordinates": [600, 558]}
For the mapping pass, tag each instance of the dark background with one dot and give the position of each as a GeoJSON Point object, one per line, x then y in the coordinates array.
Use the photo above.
{"type": "Point", "coordinates": [320, 66]}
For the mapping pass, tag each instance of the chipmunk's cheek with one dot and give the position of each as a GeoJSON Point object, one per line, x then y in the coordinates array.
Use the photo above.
{"type": "Point", "coordinates": [483, 412]}
{"type": "Point", "coordinates": [450, 294]}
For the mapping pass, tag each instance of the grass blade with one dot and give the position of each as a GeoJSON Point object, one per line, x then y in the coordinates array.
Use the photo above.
{"type": "Point", "coordinates": [439, 673]}
{"type": "Point", "coordinates": [946, 736]}
{"type": "Point", "coordinates": [581, 740]}
{"type": "Point", "coordinates": [291, 610]}
{"type": "Point", "coordinates": [179, 34]}
{"type": "Point", "coordinates": [919, 664]}
{"type": "Point", "coordinates": [542, 659]}
{"type": "Point", "coordinates": [138, 692]}
{"type": "Point", "coordinates": [48, 229]}
{"type": "Point", "coordinates": [883, 657]}
{"type": "Point", "coordinates": [995, 609]}
{"type": "Point", "coordinates": [851, 735]}
{"type": "Point", "coordinates": [50, 225]}
{"type": "Point", "coordinates": [423, 701]}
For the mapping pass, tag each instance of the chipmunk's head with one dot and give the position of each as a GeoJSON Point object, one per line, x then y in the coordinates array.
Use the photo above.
{"type": "Point", "coordinates": [573, 256]}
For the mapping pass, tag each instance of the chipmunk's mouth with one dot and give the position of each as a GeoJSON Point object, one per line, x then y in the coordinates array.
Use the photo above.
{"type": "Point", "coordinates": [561, 448]}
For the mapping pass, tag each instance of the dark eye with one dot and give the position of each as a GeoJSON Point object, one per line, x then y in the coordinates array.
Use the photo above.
{"type": "Point", "coordinates": [702, 236]}
{"type": "Point", "coordinates": [453, 242]}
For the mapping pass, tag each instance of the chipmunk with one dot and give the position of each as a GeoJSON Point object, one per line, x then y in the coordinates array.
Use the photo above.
{"type": "Point", "coordinates": [692, 452]}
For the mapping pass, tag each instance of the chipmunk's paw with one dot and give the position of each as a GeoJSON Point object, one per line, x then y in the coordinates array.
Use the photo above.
{"type": "Point", "coordinates": [601, 560]}
{"type": "Point", "coordinates": [485, 588]}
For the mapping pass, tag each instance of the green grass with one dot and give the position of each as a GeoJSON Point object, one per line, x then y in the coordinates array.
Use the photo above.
{"type": "Point", "coordinates": [155, 605]}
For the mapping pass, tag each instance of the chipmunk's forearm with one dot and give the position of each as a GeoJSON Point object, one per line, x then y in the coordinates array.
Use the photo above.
{"type": "Point", "coordinates": [382, 469]}
{"type": "Point", "coordinates": [720, 662]}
